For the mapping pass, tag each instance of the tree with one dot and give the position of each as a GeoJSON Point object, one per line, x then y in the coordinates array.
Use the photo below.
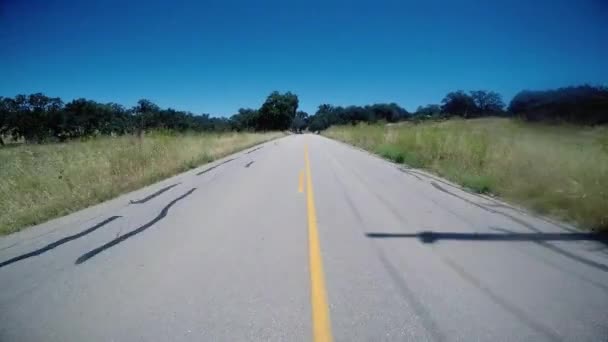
{"type": "Point", "coordinates": [300, 121]}
{"type": "Point", "coordinates": [582, 104]}
{"type": "Point", "coordinates": [246, 119]}
{"type": "Point", "coordinates": [278, 111]}
{"type": "Point", "coordinates": [487, 102]}
{"type": "Point", "coordinates": [390, 112]}
{"type": "Point", "coordinates": [459, 103]}
{"type": "Point", "coordinates": [429, 110]}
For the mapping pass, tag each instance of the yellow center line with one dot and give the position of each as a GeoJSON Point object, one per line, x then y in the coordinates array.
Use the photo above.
{"type": "Point", "coordinates": [321, 325]}
{"type": "Point", "coordinates": [301, 181]}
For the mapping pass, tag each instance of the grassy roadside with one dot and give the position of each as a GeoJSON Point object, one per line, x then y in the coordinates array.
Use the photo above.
{"type": "Point", "coordinates": [40, 182]}
{"type": "Point", "coordinates": [560, 171]}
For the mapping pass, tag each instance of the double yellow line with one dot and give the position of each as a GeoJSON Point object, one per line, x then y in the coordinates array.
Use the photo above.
{"type": "Point", "coordinates": [321, 324]}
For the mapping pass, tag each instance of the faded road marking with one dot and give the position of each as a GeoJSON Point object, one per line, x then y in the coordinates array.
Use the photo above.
{"type": "Point", "coordinates": [320, 310]}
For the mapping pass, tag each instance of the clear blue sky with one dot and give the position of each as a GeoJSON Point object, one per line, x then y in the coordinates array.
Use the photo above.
{"type": "Point", "coordinates": [217, 56]}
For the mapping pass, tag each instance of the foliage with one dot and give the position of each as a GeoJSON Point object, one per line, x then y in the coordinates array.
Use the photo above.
{"type": "Point", "coordinates": [328, 115]}
{"type": "Point", "coordinates": [582, 105]}
{"type": "Point", "coordinates": [278, 111]}
{"type": "Point", "coordinates": [477, 103]}
{"type": "Point", "coordinates": [560, 170]}
{"type": "Point", "coordinates": [39, 182]}
{"type": "Point", "coordinates": [39, 118]}
{"type": "Point", "coordinates": [300, 121]}
{"type": "Point", "coordinates": [427, 112]}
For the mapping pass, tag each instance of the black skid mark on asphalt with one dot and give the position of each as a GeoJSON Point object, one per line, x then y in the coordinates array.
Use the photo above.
{"type": "Point", "coordinates": [59, 242]}
{"type": "Point", "coordinates": [151, 196]}
{"type": "Point", "coordinates": [249, 164]}
{"type": "Point", "coordinates": [255, 149]}
{"type": "Point", "coordinates": [214, 166]}
{"type": "Point", "coordinates": [549, 246]}
{"type": "Point", "coordinates": [163, 213]}
{"type": "Point", "coordinates": [406, 171]}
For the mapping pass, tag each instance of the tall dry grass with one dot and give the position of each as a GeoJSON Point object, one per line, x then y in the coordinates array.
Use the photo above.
{"type": "Point", "coordinates": [557, 170]}
{"type": "Point", "coordinates": [39, 182]}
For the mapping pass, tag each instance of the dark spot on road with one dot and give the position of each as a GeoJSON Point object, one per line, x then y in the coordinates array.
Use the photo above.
{"type": "Point", "coordinates": [249, 164]}
{"type": "Point", "coordinates": [163, 213]}
{"type": "Point", "coordinates": [59, 242]}
{"type": "Point", "coordinates": [151, 196]}
{"type": "Point", "coordinates": [214, 166]}
{"type": "Point", "coordinates": [255, 149]}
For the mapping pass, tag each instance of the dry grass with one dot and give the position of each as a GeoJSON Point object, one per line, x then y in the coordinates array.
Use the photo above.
{"type": "Point", "coordinates": [561, 171]}
{"type": "Point", "coordinates": [39, 182]}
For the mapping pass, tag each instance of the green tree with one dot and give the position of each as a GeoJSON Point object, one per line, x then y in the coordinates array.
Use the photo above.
{"type": "Point", "coordinates": [245, 119]}
{"type": "Point", "coordinates": [487, 102]}
{"type": "Point", "coordinates": [300, 121]}
{"type": "Point", "coordinates": [278, 111]}
{"type": "Point", "coordinates": [430, 110]}
{"type": "Point", "coordinates": [459, 103]}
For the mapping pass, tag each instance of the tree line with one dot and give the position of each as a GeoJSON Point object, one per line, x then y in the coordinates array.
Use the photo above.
{"type": "Point", "coordinates": [587, 105]}
{"type": "Point", "coordinates": [39, 118]}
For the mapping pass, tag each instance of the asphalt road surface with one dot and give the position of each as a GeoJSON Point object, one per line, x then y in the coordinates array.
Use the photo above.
{"type": "Point", "coordinates": [299, 239]}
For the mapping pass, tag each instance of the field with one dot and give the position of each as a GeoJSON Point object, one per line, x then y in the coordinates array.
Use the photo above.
{"type": "Point", "coordinates": [555, 170]}
{"type": "Point", "coordinates": [39, 182]}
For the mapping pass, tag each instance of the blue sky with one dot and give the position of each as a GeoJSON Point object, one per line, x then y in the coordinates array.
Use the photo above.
{"type": "Point", "coordinates": [218, 56]}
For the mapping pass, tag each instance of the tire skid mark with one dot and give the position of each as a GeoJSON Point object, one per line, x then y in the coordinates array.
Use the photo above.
{"type": "Point", "coordinates": [406, 171]}
{"type": "Point", "coordinates": [214, 166]}
{"type": "Point", "coordinates": [255, 149]}
{"type": "Point", "coordinates": [549, 246]}
{"type": "Point", "coordinates": [422, 313]}
{"type": "Point", "coordinates": [427, 321]}
{"type": "Point", "coordinates": [157, 193]}
{"type": "Point", "coordinates": [520, 314]}
{"type": "Point", "coordinates": [59, 242]}
{"type": "Point", "coordinates": [163, 213]}
{"type": "Point", "coordinates": [494, 203]}
{"type": "Point", "coordinates": [249, 164]}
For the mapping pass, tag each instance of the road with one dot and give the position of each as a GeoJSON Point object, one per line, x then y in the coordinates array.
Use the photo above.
{"type": "Point", "coordinates": [299, 239]}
